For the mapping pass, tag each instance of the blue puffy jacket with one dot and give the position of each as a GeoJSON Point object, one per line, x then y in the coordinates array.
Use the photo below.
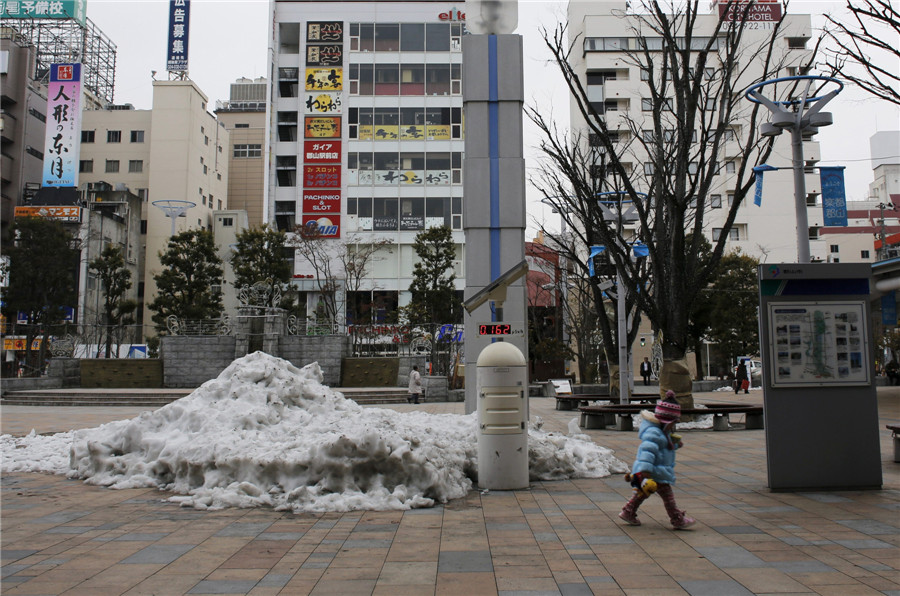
{"type": "Point", "coordinates": [654, 457]}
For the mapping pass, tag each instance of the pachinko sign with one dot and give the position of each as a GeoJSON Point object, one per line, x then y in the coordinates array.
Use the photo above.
{"type": "Point", "coordinates": [322, 176]}
{"type": "Point", "coordinates": [62, 140]}
{"type": "Point", "coordinates": [321, 201]}
{"type": "Point", "coordinates": [326, 226]}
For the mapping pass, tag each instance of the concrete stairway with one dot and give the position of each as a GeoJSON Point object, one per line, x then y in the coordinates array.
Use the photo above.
{"type": "Point", "coordinates": [155, 398]}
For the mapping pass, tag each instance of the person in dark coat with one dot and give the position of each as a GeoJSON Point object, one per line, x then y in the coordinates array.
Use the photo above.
{"type": "Point", "coordinates": [742, 378]}
{"type": "Point", "coordinates": [646, 370]}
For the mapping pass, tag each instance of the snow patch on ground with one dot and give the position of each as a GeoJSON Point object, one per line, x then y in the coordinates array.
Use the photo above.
{"type": "Point", "coordinates": [265, 433]}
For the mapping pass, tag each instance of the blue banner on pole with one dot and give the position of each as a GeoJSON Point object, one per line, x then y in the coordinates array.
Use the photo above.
{"type": "Point", "coordinates": [834, 201]}
{"type": "Point", "coordinates": [179, 23]}
{"type": "Point", "coordinates": [595, 250]}
{"type": "Point", "coordinates": [759, 171]}
{"type": "Point", "coordinates": [889, 309]}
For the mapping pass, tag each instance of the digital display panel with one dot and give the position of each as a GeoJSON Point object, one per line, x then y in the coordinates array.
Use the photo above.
{"type": "Point", "coordinates": [495, 329]}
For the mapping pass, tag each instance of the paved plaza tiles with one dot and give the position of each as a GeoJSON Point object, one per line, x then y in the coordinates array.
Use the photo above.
{"type": "Point", "coordinates": [61, 536]}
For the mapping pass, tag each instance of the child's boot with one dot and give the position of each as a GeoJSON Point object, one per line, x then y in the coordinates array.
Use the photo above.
{"type": "Point", "coordinates": [679, 520]}
{"type": "Point", "coordinates": [629, 511]}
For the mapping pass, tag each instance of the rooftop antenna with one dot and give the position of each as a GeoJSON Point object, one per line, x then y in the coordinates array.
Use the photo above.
{"type": "Point", "coordinates": [174, 208]}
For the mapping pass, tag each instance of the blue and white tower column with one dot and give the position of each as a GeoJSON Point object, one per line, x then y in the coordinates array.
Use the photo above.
{"type": "Point", "coordinates": [494, 211]}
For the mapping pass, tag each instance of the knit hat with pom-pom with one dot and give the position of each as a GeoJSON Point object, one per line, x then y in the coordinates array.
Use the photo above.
{"type": "Point", "coordinates": [668, 410]}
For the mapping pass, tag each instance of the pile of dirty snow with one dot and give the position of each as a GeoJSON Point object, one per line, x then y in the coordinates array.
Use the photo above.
{"type": "Point", "coordinates": [265, 433]}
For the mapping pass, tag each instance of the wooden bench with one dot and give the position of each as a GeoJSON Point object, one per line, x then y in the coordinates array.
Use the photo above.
{"type": "Point", "coordinates": [895, 434]}
{"type": "Point", "coordinates": [570, 402]}
{"type": "Point", "coordinates": [619, 415]}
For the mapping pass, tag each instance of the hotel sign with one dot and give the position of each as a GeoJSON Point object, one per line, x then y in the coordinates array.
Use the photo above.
{"type": "Point", "coordinates": [757, 11]}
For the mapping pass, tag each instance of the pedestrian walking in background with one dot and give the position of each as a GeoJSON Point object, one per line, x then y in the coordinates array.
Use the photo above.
{"type": "Point", "coordinates": [415, 385]}
{"type": "Point", "coordinates": [646, 370]}
{"type": "Point", "coordinates": [742, 378]}
{"type": "Point", "coordinates": [654, 467]}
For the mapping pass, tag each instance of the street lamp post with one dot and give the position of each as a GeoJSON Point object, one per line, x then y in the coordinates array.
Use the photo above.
{"type": "Point", "coordinates": [800, 116]}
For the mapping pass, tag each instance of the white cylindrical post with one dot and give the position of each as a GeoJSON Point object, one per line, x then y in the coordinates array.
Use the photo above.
{"type": "Point", "coordinates": [502, 388]}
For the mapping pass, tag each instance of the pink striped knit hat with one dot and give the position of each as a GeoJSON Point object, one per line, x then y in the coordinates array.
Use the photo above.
{"type": "Point", "coordinates": [668, 411]}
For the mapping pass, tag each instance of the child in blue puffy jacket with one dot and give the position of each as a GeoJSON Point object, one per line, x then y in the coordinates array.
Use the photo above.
{"type": "Point", "coordinates": [654, 466]}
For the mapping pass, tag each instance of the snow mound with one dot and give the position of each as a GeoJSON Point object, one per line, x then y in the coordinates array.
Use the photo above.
{"type": "Point", "coordinates": [265, 433]}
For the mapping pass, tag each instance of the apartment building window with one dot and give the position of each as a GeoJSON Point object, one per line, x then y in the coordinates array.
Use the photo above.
{"type": "Point", "coordinates": [648, 168]}
{"type": "Point", "coordinates": [796, 43]}
{"type": "Point", "coordinates": [646, 104]}
{"type": "Point", "coordinates": [227, 222]}
{"type": "Point", "coordinates": [86, 166]}
{"type": "Point", "coordinates": [247, 150]}
{"type": "Point", "coordinates": [286, 170]}
{"type": "Point", "coordinates": [730, 167]}
{"type": "Point", "coordinates": [87, 136]}
{"type": "Point", "coordinates": [135, 166]}
{"type": "Point", "coordinates": [113, 136]}
{"type": "Point", "coordinates": [241, 125]}
{"type": "Point", "coordinates": [142, 193]}
{"type": "Point", "coordinates": [137, 136]}
{"type": "Point", "coordinates": [219, 207]}
{"type": "Point", "coordinates": [730, 197]}
{"type": "Point", "coordinates": [733, 234]}
{"type": "Point", "coordinates": [206, 140]}
{"type": "Point", "coordinates": [112, 166]}
{"type": "Point", "coordinates": [834, 248]}
{"type": "Point", "coordinates": [205, 170]}
{"type": "Point", "coordinates": [143, 226]}
{"type": "Point", "coordinates": [715, 201]}
{"type": "Point", "coordinates": [728, 134]}
{"type": "Point", "coordinates": [863, 254]}
{"type": "Point", "coordinates": [34, 152]}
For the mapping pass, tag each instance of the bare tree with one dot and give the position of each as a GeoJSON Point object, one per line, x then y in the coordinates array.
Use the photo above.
{"type": "Point", "coordinates": [340, 266]}
{"type": "Point", "coordinates": [570, 183]}
{"type": "Point", "coordinates": [694, 70]}
{"type": "Point", "coordinates": [868, 47]}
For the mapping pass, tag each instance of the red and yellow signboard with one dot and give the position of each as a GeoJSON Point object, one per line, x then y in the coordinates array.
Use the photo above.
{"type": "Point", "coordinates": [18, 343]}
{"type": "Point", "coordinates": [67, 213]}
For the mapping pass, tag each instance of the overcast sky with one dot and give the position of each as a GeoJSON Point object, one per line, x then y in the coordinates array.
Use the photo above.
{"type": "Point", "coordinates": [228, 40]}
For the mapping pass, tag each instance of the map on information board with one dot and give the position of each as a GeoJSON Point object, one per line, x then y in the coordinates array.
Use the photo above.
{"type": "Point", "coordinates": [818, 343]}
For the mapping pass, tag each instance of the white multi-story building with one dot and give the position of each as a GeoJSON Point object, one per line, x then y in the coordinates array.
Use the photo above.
{"type": "Point", "coordinates": [614, 84]}
{"type": "Point", "coordinates": [366, 134]}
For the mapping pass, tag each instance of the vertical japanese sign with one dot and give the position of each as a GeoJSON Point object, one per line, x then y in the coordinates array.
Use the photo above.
{"type": "Point", "coordinates": [179, 21]}
{"type": "Point", "coordinates": [834, 201]}
{"type": "Point", "coordinates": [62, 140]}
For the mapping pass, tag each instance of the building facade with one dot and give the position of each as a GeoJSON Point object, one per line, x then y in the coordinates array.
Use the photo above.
{"type": "Point", "coordinates": [244, 117]}
{"type": "Point", "coordinates": [615, 83]}
{"type": "Point", "coordinates": [172, 152]}
{"type": "Point", "coordinates": [23, 106]}
{"type": "Point", "coordinates": [366, 135]}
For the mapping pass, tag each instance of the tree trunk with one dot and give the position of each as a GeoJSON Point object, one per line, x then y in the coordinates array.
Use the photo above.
{"type": "Point", "coordinates": [676, 375]}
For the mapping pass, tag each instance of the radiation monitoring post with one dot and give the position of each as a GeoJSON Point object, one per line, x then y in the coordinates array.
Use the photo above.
{"type": "Point", "coordinates": [501, 329]}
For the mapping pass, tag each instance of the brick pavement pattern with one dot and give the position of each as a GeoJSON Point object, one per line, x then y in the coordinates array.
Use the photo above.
{"type": "Point", "coordinates": [61, 536]}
